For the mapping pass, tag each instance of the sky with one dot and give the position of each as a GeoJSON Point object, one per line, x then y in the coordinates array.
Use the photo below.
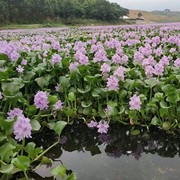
{"type": "Point", "coordinates": [149, 5]}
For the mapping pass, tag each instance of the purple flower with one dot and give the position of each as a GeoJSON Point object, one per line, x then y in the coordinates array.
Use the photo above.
{"type": "Point", "coordinates": [41, 100]}
{"type": "Point", "coordinates": [56, 58]}
{"type": "Point", "coordinates": [57, 87]}
{"type": "Point", "coordinates": [58, 105]}
{"type": "Point", "coordinates": [135, 103]}
{"type": "Point", "coordinates": [20, 69]}
{"type": "Point", "coordinates": [22, 128]}
{"type": "Point", "coordinates": [113, 83]}
{"type": "Point", "coordinates": [105, 68]}
{"type": "Point", "coordinates": [1, 95]}
{"type": "Point", "coordinates": [14, 56]}
{"type": "Point", "coordinates": [23, 62]}
{"type": "Point", "coordinates": [149, 70]}
{"type": "Point", "coordinates": [83, 59]}
{"type": "Point", "coordinates": [158, 69]}
{"type": "Point", "coordinates": [73, 66]}
{"type": "Point", "coordinates": [177, 62]}
{"type": "Point", "coordinates": [92, 124]}
{"type": "Point", "coordinates": [102, 127]}
{"type": "Point", "coordinates": [15, 112]}
{"type": "Point", "coordinates": [116, 59]}
{"type": "Point", "coordinates": [119, 72]}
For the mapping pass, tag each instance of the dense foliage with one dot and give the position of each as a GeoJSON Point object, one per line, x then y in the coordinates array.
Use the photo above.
{"type": "Point", "coordinates": [53, 77]}
{"type": "Point", "coordinates": [39, 11]}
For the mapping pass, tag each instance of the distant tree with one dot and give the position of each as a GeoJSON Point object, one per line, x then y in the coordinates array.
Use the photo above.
{"type": "Point", "coordinates": [38, 11]}
{"type": "Point", "coordinates": [140, 15]}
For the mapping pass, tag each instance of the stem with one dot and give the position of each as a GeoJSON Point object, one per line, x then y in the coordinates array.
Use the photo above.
{"type": "Point", "coordinates": [38, 115]}
{"type": "Point", "coordinates": [2, 162]}
{"type": "Point", "coordinates": [25, 174]}
{"type": "Point", "coordinates": [44, 152]}
{"type": "Point", "coordinates": [23, 144]}
{"type": "Point", "coordinates": [150, 94]}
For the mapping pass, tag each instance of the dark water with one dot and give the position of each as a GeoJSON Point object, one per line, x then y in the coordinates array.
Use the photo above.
{"type": "Point", "coordinates": [152, 155]}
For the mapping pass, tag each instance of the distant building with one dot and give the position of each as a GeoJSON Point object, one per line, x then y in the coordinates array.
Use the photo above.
{"type": "Point", "coordinates": [141, 18]}
{"type": "Point", "coordinates": [124, 17]}
{"type": "Point", "coordinates": [167, 10]}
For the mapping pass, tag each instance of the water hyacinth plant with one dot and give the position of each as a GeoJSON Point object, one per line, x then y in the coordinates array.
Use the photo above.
{"type": "Point", "coordinates": [53, 77]}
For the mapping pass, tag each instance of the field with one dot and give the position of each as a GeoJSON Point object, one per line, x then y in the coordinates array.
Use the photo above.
{"type": "Point", "coordinates": [156, 16]}
{"type": "Point", "coordinates": [51, 78]}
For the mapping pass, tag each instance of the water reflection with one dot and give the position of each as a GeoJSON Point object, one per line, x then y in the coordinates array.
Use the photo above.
{"type": "Point", "coordinates": [118, 155]}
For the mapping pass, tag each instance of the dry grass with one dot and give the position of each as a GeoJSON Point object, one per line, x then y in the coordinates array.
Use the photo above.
{"type": "Point", "coordinates": [156, 16]}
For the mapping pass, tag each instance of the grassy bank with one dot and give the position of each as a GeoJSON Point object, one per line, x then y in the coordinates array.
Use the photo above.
{"type": "Point", "coordinates": [67, 23]}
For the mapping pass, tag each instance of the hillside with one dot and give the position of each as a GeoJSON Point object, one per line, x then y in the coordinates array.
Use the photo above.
{"type": "Point", "coordinates": [157, 16]}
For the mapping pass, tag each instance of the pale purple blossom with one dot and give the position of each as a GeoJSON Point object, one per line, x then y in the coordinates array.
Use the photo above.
{"type": "Point", "coordinates": [135, 103]}
{"type": "Point", "coordinates": [22, 128]}
{"type": "Point", "coordinates": [73, 66]}
{"type": "Point", "coordinates": [41, 100]}
{"type": "Point", "coordinates": [1, 95]}
{"type": "Point", "coordinates": [158, 69]}
{"type": "Point", "coordinates": [20, 69]}
{"type": "Point", "coordinates": [149, 70]}
{"type": "Point", "coordinates": [119, 72]}
{"type": "Point", "coordinates": [58, 105]}
{"type": "Point", "coordinates": [15, 112]}
{"type": "Point", "coordinates": [102, 127]}
{"type": "Point", "coordinates": [177, 62]}
{"type": "Point", "coordinates": [24, 62]}
{"type": "Point", "coordinates": [92, 124]}
{"type": "Point", "coordinates": [113, 83]}
{"type": "Point", "coordinates": [57, 87]}
{"type": "Point", "coordinates": [14, 56]}
{"type": "Point", "coordinates": [105, 68]}
{"type": "Point", "coordinates": [56, 58]}
{"type": "Point", "coordinates": [116, 59]}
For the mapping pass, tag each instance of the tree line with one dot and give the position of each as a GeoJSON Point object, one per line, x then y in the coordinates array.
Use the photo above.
{"type": "Point", "coordinates": [38, 11]}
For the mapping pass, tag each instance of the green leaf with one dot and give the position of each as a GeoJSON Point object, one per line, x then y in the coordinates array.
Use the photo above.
{"type": "Point", "coordinates": [112, 111]}
{"type": "Point", "coordinates": [52, 99]}
{"type": "Point", "coordinates": [69, 112]}
{"type": "Point", "coordinates": [21, 162]}
{"type": "Point", "coordinates": [64, 81]}
{"type": "Point", "coordinates": [168, 89]}
{"type": "Point", "coordinates": [32, 151]}
{"type": "Point", "coordinates": [122, 94]}
{"type": "Point", "coordinates": [2, 137]}
{"type": "Point", "coordinates": [28, 76]}
{"type": "Point", "coordinates": [59, 171]}
{"type": "Point", "coordinates": [135, 132]}
{"type": "Point", "coordinates": [35, 125]}
{"type": "Point", "coordinates": [159, 96]}
{"type": "Point", "coordinates": [43, 81]}
{"type": "Point", "coordinates": [83, 91]}
{"type": "Point", "coordinates": [86, 104]}
{"type": "Point", "coordinates": [71, 177]}
{"type": "Point", "coordinates": [151, 82]}
{"type": "Point", "coordinates": [122, 109]}
{"type": "Point", "coordinates": [11, 88]}
{"type": "Point", "coordinates": [155, 121]}
{"type": "Point", "coordinates": [6, 152]}
{"type": "Point", "coordinates": [164, 105]}
{"type": "Point", "coordinates": [46, 160]}
{"type": "Point", "coordinates": [129, 84]}
{"type": "Point", "coordinates": [166, 126]}
{"type": "Point", "coordinates": [163, 112]}
{"type": "Point", "coordinates": [71, 97]}
{"type": "Point", "coordinates": [173, 98]}
{"type": "Point", "coordinates": [59, 126]}
{"type": "Point", "coordinates": [7, 169]}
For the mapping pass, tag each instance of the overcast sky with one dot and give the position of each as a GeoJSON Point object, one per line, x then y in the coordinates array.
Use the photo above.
{"type": "Point", "coordinates": [149, 4]}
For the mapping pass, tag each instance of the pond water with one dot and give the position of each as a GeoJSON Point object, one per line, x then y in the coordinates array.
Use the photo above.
{"type": "Point", "coordinates": [152, 155]}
